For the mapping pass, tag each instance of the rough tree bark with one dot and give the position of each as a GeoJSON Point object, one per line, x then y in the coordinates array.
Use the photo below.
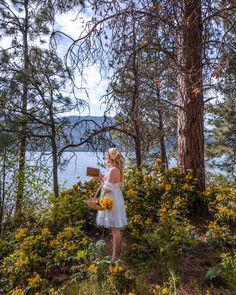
{"type": "Point", "coordinates": [190, 92]}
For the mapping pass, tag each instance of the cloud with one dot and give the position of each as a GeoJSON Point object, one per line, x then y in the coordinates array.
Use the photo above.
{"type": "Point", "coordinates": [73, 25]}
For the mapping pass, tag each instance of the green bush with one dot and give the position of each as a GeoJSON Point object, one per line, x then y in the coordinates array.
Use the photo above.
{"type": "Point", "coordinates": [228, 265]}
{"type": "Point", "coordinates": [41, 257]}
{"type": "Point", "coordinates": [69, 208]}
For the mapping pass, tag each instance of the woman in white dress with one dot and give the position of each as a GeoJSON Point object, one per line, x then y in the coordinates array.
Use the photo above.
{"type": "Point", "coordinates": [116, 217]}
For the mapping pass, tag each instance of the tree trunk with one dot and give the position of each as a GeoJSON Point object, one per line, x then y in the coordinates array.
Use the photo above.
{"type": "Point", "coordinates": [54, 152]}
{"type": "Point", "coordinates": [135, 116]}
{"type": "Point", "coordinates": [2, 190]}
{"type": "Point", "coordinates": [163, 156]}
{"type": "Point", "coordinates": [23, 131]}
{"type": "Point", "coordinates": [55, 167]}
{"type": "Point", "coordinates": [190, 92]}
{"type": "Point", "coordinates": [137, 144]}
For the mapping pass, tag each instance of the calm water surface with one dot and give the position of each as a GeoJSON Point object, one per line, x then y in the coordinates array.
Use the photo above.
{"type": "Point", "coordinates": [75, 170]}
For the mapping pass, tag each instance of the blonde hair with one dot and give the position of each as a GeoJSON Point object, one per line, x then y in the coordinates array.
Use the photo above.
{"type": "Point", "coordinates": [115, 157]}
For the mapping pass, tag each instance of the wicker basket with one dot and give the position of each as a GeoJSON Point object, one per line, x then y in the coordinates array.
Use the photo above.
{"type": "Point", "coordinates": [92, 202]}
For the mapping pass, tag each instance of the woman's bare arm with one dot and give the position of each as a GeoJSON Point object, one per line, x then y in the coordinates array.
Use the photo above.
{"type": "Point", "coordinates": [113, 176]}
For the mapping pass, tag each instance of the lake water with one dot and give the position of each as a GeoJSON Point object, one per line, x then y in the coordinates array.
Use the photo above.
{"type": "Point", "coordinates": [78, 163]}
{"type": "Point", "coordinates": [76, 168]}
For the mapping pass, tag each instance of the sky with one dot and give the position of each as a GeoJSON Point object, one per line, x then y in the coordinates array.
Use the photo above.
{"type": "Point", "coordinates": [95, 85]}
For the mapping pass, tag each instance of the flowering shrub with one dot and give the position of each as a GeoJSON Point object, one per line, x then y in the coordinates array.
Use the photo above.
{"type": "Point", "coordinates": [121, 278]}
{"type": "Point", "coordinates": [69, 207]}
{"type": "Point", "coordinates": [115, 275]}
{"type": "Point", "coordinates": [158, 204]}
{"type": "Point", "coordinates": [228, 265]}
{"type": "Point", "coordinates": [40, 256]}
{"type": "Point", "coordinates": [222, 204]}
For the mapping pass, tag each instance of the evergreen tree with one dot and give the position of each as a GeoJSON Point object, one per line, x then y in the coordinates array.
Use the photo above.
{"type": "Point", "coordinates": [24, 22]}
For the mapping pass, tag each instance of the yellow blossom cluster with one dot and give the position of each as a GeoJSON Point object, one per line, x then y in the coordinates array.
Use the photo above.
{"type": "Point", "coordinates": [21, 234]}
{"type": "Point", "coordinates": [206, 194]}
{"type": "Point", "coordinates": [18, 291]}
{"type": "Point", "coordinates": [158, 290]}
{"type": "Point", "coordinates": [131, 193]}
{"type": "Point", "coordinates": [93, 268]}
{"type": "Point", "coordinates": [148, 221]}
{"type": "Point", "coordinates": [36, 248]}
{"type": "Point", "coordinates": [225, 212]}
{"type": "Point", "coordinates": [218, 231]}
{"type": "Point", "coordinates": [158, 161]}
{"type": "Point", "coordinates": [189, 176]}
{"type": "Point", "coordinates": [106, 203]}
{"type": "Point", "coordinates": [116, 268]}
{"type": "Point", "coordinates": [186, 187]}
{"type": "Point", "coordinates": [164, 212]}
{"type": "Point", "coordinates": [45, 231]}
{"type": "Point", "coordinates": [35, 280]}
{"type": "Point", "coordinates": [222, 203]}
{"type": "Point", "coordinates": [136, 219]}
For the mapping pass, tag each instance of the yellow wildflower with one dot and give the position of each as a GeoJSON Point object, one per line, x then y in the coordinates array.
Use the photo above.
{"type": "Point", "coordinates": [18, 291]}
{"type": "Point", "coordinates": [148, 221]}
{"type": "Point", "coordinates": [157, 287]}
{"type": "Point", "coordinates": [205, 194]}
{"type": "Point", "coordinates": [38, 238]}
{"type": "Point", "coordinates": [106, 203]}
{"type": "Point", "coordinates": [232, 213]}
{"type": "Point", "coordinates": [165, 291]}
{"type": "Point", "coordinates": [22, 261]}
{"type": "Point", "coordinates": [69, 231]}
{"type": "Point", "coordinates": [189, 176]}
{"type": "Point", "coordinates": [21, 234]}
{"type": "Point", "coordinates": [116, 268]}
{"type": "Point", "coordinates": [213, 225]}
{"type": "Point", "coordinates": [167, 187]}
{"type": "Point", "coordinates": [158, 161]}
{"type": "Point", "coordinates": [135, 233]}
{"type": "Point", "coordinates": [222, 210]}
{"type": "Point", "coordinates": [146, 177]}
{"type": "Point", "coordinates": [84, 241]}
{"type": "Point", "coordinates": [154, 177]}
{"type": "Point", "coordinates": [219, 197]}
{"type": "Point", "coordinates": [93, 268]}
{"type": "Point", "coordinates": [46, 231]}
{"type": "Point", "coordinates": [131, 193]}
{"type": "Point", "coordinates": [137, 218]}
{"type": "Point", "coordinates": [186, 187]}
{"type": "Point", "coordinates": [34, 281]}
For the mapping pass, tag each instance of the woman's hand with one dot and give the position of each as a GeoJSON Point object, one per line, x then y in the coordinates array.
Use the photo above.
{"type": "Point", "coordinates": [100, 177]}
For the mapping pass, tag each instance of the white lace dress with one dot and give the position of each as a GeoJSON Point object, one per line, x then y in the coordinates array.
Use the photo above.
{"type": "Point", "coordinates": [117, 216]}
